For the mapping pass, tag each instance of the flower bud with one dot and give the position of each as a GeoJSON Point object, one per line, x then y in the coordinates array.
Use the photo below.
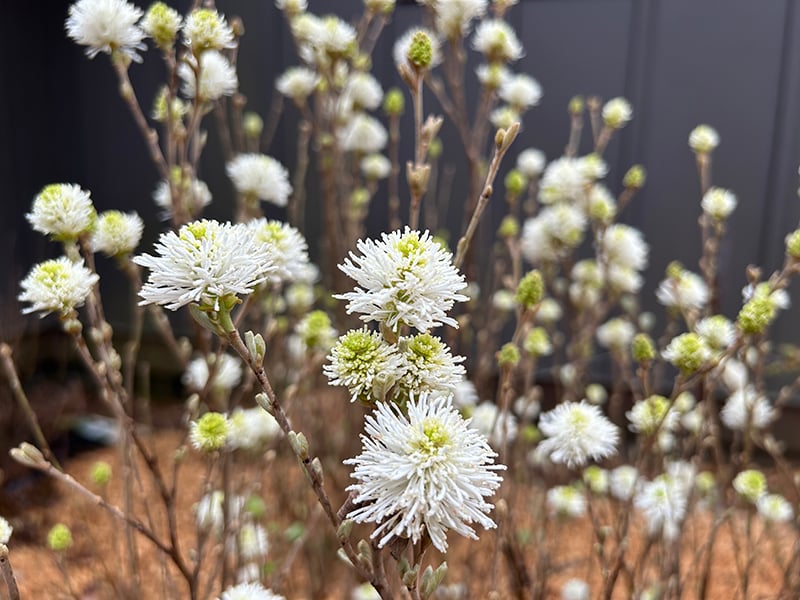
{"type": "Point", "coordinates": [253, 125]}
{"type": "Point", "coordinates": [515, 182]}
{"type": "Point", "coordinates": [530, 290]}
{"type": "Point", "coordinates": [508, 355]}
{"type": "Point", "coordinates": [703, 139]}
{"type": "Point", "coordinates": [576, 106]}
{"type": "Point", "coordinates": [394, 102]}
{"type": "Point", "coordinates": [509, 227]}
{"type": "Point", "coordinates": [635, 177]}
{"type": "Point", "coordinates": [793, 244]}
{"type": "Point", "coordinates": [59, 538]}
{"type": "Point", "coordinates": [101, 473]}
{"type": "Point", "coordinates": [420, 51]}
{"type": "Point", "coordinates": [616, 113]}
{"type": "Point", "coordinates": [642, 348]}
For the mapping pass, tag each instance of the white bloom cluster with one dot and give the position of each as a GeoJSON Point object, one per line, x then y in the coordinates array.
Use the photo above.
{"type": "Point", "coordinates": [211, 79]}
{"type": "Point", "coordinates": [566, 501]}
{"type": "Point", "coordinates": [746, 408]}
{"type": "Point", "coordinates": [577, 432]}
{"type": "Point", "coordinates": [654, 413]}
{"type": "Point", "coordinates": [288, 247]}
{"type": "Point", "coordinates": [106, 26]}
{"type": "Point", "coordinates": [424, 472]}
{"type": "Point", "coordinates": [703, 139]}
{"type": "Point", "coordinates": [117, 233]}
{"type": "Point", "coordinates": [362, 91]}
{"type": "Point", "coordinates": [260, 176]}
{"type": "Point", "coordinates": [227, 373]}
{"type": "Point", "coordinates": [63, 211]}
{"type": "Point", "coordinates": [252, 428]}
{"type": "Point", "coordinates": [249, 591]}
{"type": "Point", "coordinates": [364, 134]}
{"type": "Point", "coordinates": [686, 291]}
{"type": "Point", "coordinates": [406, 278]}
{"type": "Point", "coordinates": [718, 203]}
{"type": "Point", "coordinates": [774, 508]}
{"type": "Point", "coordinates": [205, 29]}
{"type": "Point", "coordinates": [428, 366]}
{"type": "Point", "coordinates": [195, 197]}
{"type": "Point", "coordinates": [622, 482]}
{"type": "Point", "coordinates": [521, 92]}
{"type": "Point", "coordinates": [403, 43]}
{"type": "Point", "coordinates": [297, 83]}
{"type": "Point", "coordinates": [616, 334]}
{"type": "Point", "coordinates": [575, 589]}
{"type": "Point", "coordinates": [58, 285]}
{"type": "Point", "coordinates": [663, 503]}
{"type": "Point", "coordinates": [453, 18]}
{"type": "Point", "coordinates": [617, 112]}
{"type": "Point", "coordinates": [531, 162]}
{"type": "Point", "coordinates": [5, 531]}
{"type": "Point", "coordinates": [204, 262]}
{"type": "Point", "coordinates": [717, 331]}
{"type": "Point", "coordinates": [497, 41]}
{"type": "Point", "coordinates": [494, 424]}
{"type": "Point", "coordinates": [553, 232]}
{"type": "Point", "coordinates": [375, 166]}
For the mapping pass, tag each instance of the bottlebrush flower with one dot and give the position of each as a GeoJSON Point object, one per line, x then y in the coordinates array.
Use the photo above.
{"type": "Point", "coordinates": [106, 26]}
{"type": "Point", "coordinates": [288, 247]}
{"type": "Point", "coordinates": [206, 29]}
{"type": "Point", "coordinates": [497, 41]}
{"type": "Point", "coordinates": [260, 176]}
{"type": "Point", "coordinates": [57, 285]}
{"type": "Point", "coordinates": [577, 432]}
{"type": "Point", "coordinates": [117, 233]}
{"type": "Point", "coordinates": [217, 77]}
{"type": "Point", "coordinates": [297, 83]}
{"type": "Point", "coordinates": [62, 210]}
{"type": "Point", "coordinates": [227, 372]}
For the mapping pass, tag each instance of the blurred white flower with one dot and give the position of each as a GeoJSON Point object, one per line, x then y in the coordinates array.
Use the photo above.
{"type": "Point", "coordinates": [577, 432]}
{"type": "Point", "coordinates": [504, 117]}
{"type": "Point", "coordinates": [465, 395]}
{"type": "Point", "coordinates": [717, 331]}
{"type": "Point", "coordinates": [575, 589]}
{"type": "Point", "coordinates": [363, 91]}
{"type": "Point", "coordinates": [494, 425]}
{"type": "Point", "coordinates": [252, 428]}
{"type": "Point", "coordinates": [205, 29]}
{"type": "Point", "coordinates": [688, 291]}
{"type": "Point", "coordinates": [663, 502]}
{"type": "Point", "coordinates": [497, 41]}
{"type": "Point", "coordinates": [652, 414]}
{"type": "Point", "coordinates": [624, 246]}
{"type": "Point", "coordinates": [564, 180]}
{"type": "Point", "coordinates": [260, 176]}
{"type": "Point", "coordinates": [249, 591]}
{"type": "Point", "coordinates": [217, 77]}
{"type": "Point", "coordinates": [746, 408]}
{"type": "Point", "coordinates": [703, 139]}
{"type": "Point", "coordinates": [531, 162]}
{"type": "Point", "coordinates": [622, 482]}
{"type": "Point", "coordinates": [227, 372]}
{"type": "Point", "coordinates": [297, 83]}
{"type": "Point", "coordinates": [364, 134]}
{"type": "Point", "coordinates": [774, 508]}
{"type": "Point", "coordinates": [616, 334]}
{"type": "Point", "coordinates": [566, 501]}
{"type": "Point", "coordinates": [117, 233]}
{"type": "Point", "coordinates": [718, 203]}
{"type": "Point", "coordinates": [5, 531]}
{"type": "Point", "coordinates": [521, 91]}
{"type": "Point", "coordinates": [106, 26]}
{"type": "Point", "coordinates": [617, 112]}
{"type": "Point", "coordinates": [453, 17]}
{"type": "Point", "coordinates": [375, 166]}
{"type": "Point", "coordinates": [57, 285]}
{"type": "Point", "coordinates": [287, 245]}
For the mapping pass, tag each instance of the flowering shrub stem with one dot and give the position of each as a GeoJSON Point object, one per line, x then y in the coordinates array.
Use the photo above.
{"type": "Point", "coordinates": [8, 573]}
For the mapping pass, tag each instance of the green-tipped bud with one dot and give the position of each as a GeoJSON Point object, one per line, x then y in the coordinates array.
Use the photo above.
{"type": "Point", "coordinates": [299, 444]}
{"type": "Point", "coordinates": [420, 51]}
{"type": "Point", "coordinates": [101, 473]}
{"type": "Point", "coordinates": [537, 342]}
{"type": "Point", "coordinates": [431, 579]}
{"type": "Point", "coordinates": [704, 482]}
{"type": "Point", "coordinates": [750, 484]}
{"type": "Point", "coordinates": [384, 7]}
{"type": "Point", "coordinates": [530, 290]}
{"type": "Point", "coordinates": [688, 352]}
{"type": "Point", "coordinates": [596, 479]}
{"type": "Point", "coordinates": [162, 24]}
{"type": "Point", "coordinates": [756, 315]}
{"type": "Point", "coordinates": [345, 529]}
{"type": "Point", "coordinates": [28, 455]}
{"type": "Point", "coordinates": [793, 244]}
{"type": "Point", "coordinates": [675, 270]}
{"type": "Point", "coordinates": [515, 182]}
{"type": "Point", "coordinates": [253, 125]}
{"type": "Point", "coordinates": [576, 105]}
{"type": "Point", "coordinates": [642, 348]}
{"type": "Point", "coordinates": [616, 113]}
{"type": "Point", "coordinates": [359, 199]}
{"type": "Point", "coordinates": [509, 227]}
{"type": "Point", "coordinates": [255, 506]}
{"type": "Point", "coordinates": [255, 345]}
{"type": "Point", "coordinates": [508, 356]}
{"type": "Point", "coordinates": [435, 148]}
{"type": "Point", "coordinates": [635, 177]}
{"type": "Point", "coordinates": [59, 538]}
{"type": "Point", "coordinates": [530, 434]}
{"type": "Point", "coordinates": [394, 102]}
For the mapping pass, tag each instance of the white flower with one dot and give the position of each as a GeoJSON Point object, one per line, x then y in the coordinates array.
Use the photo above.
{"type": "Point", "coordinates": [465, 395]}
{"type": "Point", "coordinates": [375, 166]}
{"type": "Point", "coordinates": [617, 112]}
{"type": "Point", "coordinates": [5, 531]}
{"type": "Point", "coordinates": [105, 26]}
{"type": "Point", "coordinates": [717, 331]}
{"type": "Point", "coordinates": [497, 41]}
{"type": "Point", "coordinates": [779, 298]}
{"type": "Point", "coordinates": [652, 414]}
{"type": "Point", "coordinates": [206, 29]}
{"type": "Point", "coordinates": [689, 291]}
{"type": "Point", "coordinates": [734, 374]}
{"type": "Point", "coordinates": [429, 366]}
{"type": "Point", "coordinates": [253, 543]}
{"type": "Point", "coordinates": [208, 512]}
{"type": "Point", "coordinates": [287, 245]}
{"type": "Point", "coordinates": [406, 278]}
{"type": "Point", "coordinates": [204, 262]}
{"type": "Point", "coordinates": [493, 424]}
{"type": "Point", "coordinates": [531, 162]}
{"type": "Point", "coordinates": [454, 16]}
{"type": "Point", "coordinates": [162, 24]}
{"type": "Point", "coordinates": [624, 280]}
{"type": "Point", "coordinates": [703, 139]}
{"type": "Point", "coordinates": [577, 432]}
{"type": "Point", "coordinates": [252, 428]}
{"type": "Point", "coordinates": [747, 408]}
{"type": "Point", "coordinates": [492, 76]}
{"type": "Point", "coordinates": [249, 591]}
{"type": "Point", "coordinates": [575, 589]}
{"type": "Point", "coordinates": [195, 196]}
{"type": "Point", "coordinates": [603, 208]}
{"type": "Point", "coordinates": [363, 91]}
{"type": "Point", "coordinates": [616, 334]}
{"type": "Point", "coordinates": [293, 6]}
{"type": "Point", "coordinates": [403, 43]}
{"type": "Point", "coordinates": [567, 501]}
{"type": "Point", "coordinates": [217, 77]}
{"type": "Point", "coordinates": [504, 117]}
{"type": "Point", "coordinates": [773, 508]}
{"type": "Point", "coordinates": [564, 180]}
{"type": "Point", "coordinates": [554, 231]}
{"type": "Point", "coordinates": [227, 372]}
{"type": "Point", "coordinates": [57, 285]}
{"type": "Point", "coordinates": [718, 203]}
{"type": "Point", "coordinates": [210, 432]}
{"type": "Point", "coordinates": [549, 311]}
{"type": "Point", "coordinates": [363, 134]}
{"type": "Point", "coordinates": [425, 472]}
{"type": "Point", "coordinates": [63, 211]}
{"type": "Point", "coordinates": [117, 233]}
{"type": "Point", "coordinates": [663, 502]}
{"type": "Point", "coordinates": [366, 364]}
{"type": "Point", "coordinates": [622, 482]}
{"type": "Point", "coordinates": [334, 36]}
{"type": "Point", "coordinates": [504, 301]}
{"type": "Point", "coordinates": [624, 246]}
{"type": "Point", "coordinates": [297, 83]}
{"type": "Point", "coordinates": [521, 91]}
{"type": "Point", "coordinates": [260, 176]}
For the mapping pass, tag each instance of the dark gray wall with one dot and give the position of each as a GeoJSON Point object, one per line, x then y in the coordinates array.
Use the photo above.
{"type": "Point", "coordinates": [734, 64]}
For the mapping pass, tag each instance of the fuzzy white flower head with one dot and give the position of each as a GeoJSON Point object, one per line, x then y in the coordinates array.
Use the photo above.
{"type": "Point", "coordinates": [624, 280]}
{"type": "Point", "coordinates": [717, 331]}
{"type": "Point", "coordinates": [688, 351]}
{"type": "Point", "coordinates": [204, 262]}
{"type": "Point", "coordinates": [429, 366]}
{"type": "Point", "coordinates": [252, 428]}
{"type": "Point", "coordinates": [663, 502]}
{"type": "Point", "coordinates": [504, 301]}
{"type": "Point", "coordinates": [210, 432]}
{"type": "Point", "coordinates": [624, 246]}
{"type": "Point", "coordinates": [297, 83]}
{"type": "Point", "coordinates": [465, 395]}
{"type": "Point", "coordinates": [687, 291]}
{"type": "Point", "coordinates": [260, 176]}
{"type": "Point", "coordinates": [504, 117]}
{"type": "Point", "coordinates": [718, 203]}
{"type": "Point", "coordinates": [566, 501]}
{"type": "Point", "coordinates": [365, 591]}
{"type": "Point", "coordinates": [406, 278]}
{"type": "Point", "coordinates": [734, 374]}
{"type": "Point", "coordinates": [577, 432]}
{"type": "Point", "coordinates": [703, 139]}
{"type": "Point", "coordinates": [253, 543]}
{"type": "Point", "coordinates": [774, 508]}
{"type": "Point", "coordinates": [287, 245]}
{"type": "Point", "coordinates": [364, 134]}
{"type": "Point", "coordinates": [5, 531]}
{"type": "Point", "coordinates": [492, 76]}
{"type": "Point", "coordinates": [117, 233]}
{"type": "Point", "coordinates": [622, 482]}
{"type": "Point", "coordinates": [63, 211]}
{"type": "Point", "coordinates": [453, 17]}
{"type": "Point", "coordinates": [375, 166]}
{"type": "Point", "coordinates": [427, 472]}
{"type": "Point", "coordinates": [57, 285]}
{"type": "Point", "coordinates": [601, 205]}
{"type": "Point", "coordinates": [617, 112]}
{"type": "Point", "coordinates": [531, 162]}
{"type": "Point", "coordinates": [292, 6]}
{"type": "Point", "coordinates": [363, 91]}
{"type": "Point", "coordinates": [366, 364]}
{"type": "Point", "coordinates": [565, 224]}
{"type": "Point", "coordinates": [575, 589]}
{"type": "Point", "coordinates": [779, 298]}
{"type": "Point", "coordinates": [616, 334]}
{"type": "Point", "coordinates": [161, 23]}
{"type": "Point", "coordinates": [403, 43]}
{"type": "Point", "coordinates": [195, 196]}
{"type": "Point", "coordinates": [751, 484]}
{"type": "Point", "coordinates": [106, 26]}
{"type": "Point", "coordinates": [208, 511]}
{"type": "Point", "coordinates": [521, 91]}
{"type": "Point", "coordinates": [206, 29]}
{"type": "Point", "coordinates": [747, 408]}
{"type": "Point", "coordinates": [549, 311]}
{"type": "Point", "coordinates": [652, 414]}
{"type": "Point", "coordinates": [497, 41]}
{"type": "Point", "coordinates": [217, 77]}
{"type": "Point", "coordinates": [335, 36]}
{"type": "Point", "coordinates": [227, 373]}
{"type": "Point", "coordinates": [493, 424]}
{"type": "Point", "coordinates": [564, 180]}
{"type": "Point", "coordinates": [249, 591]}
